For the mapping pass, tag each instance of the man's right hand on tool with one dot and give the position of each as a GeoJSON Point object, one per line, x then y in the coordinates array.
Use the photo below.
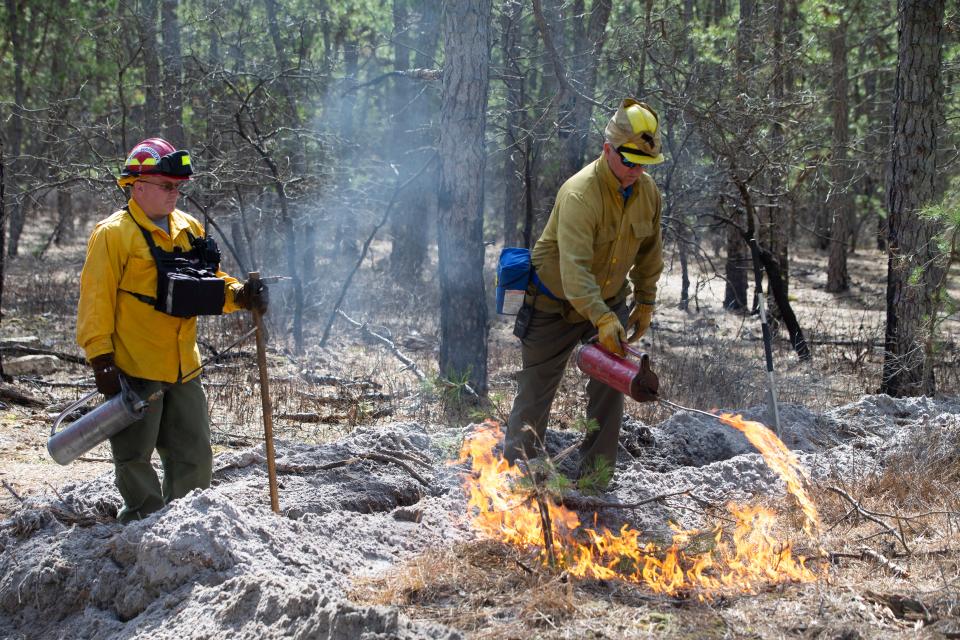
{"type": "Point", "coordinates": [612, 335]}
{"type": "Point", "coordinates": [253, 296]}
{"type": "Point", "coordinates": [107, 374]}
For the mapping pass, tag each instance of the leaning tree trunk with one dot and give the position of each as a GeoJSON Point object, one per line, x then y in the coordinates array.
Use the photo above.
{"type": "Point", "coordinates": [912, 255]}
{"type": "Point", "coordinates": [463, 310]}
{"type": "Point", "coordinates": [840, 203]}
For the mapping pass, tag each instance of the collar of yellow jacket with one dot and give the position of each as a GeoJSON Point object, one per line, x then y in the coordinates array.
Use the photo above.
{"type": "Point", "coordinates": [176, 220]}
{"type": "Point", "coordinates": [606, 175]}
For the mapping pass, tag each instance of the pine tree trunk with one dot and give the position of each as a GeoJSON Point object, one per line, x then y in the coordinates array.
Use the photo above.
{"type": "Point", "coordinates": [152, 110]}
{"type": "Point", "coordinates": [917, 114]}
{"type": "Point", "coordinates": [411, 221]}
{"type": "Point", "coordinates": [736, 267]}
{"type": "Point", "coordinates": [840, 203]}
{"type": "Point", "coordinates": [463, 311]}
{"type": "Point", "coordinates": [172, 74]}
{"type": "Point", "coordinates": [514, 157]}
{"type": "Point", "coordinates": [15, 131]}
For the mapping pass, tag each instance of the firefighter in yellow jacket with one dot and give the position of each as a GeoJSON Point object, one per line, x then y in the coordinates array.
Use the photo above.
{"type": "Point", "coordinates": [135, 334]}
{"type": "Point", "coordinates": [604, 229]}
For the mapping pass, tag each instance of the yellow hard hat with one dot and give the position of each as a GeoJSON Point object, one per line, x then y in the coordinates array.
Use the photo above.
{"type": "Point", "coordinates": [634, 131]}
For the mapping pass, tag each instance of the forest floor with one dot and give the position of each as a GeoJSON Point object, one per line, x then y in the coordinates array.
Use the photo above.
{"type": "Point", "coordinates": [892, 554]}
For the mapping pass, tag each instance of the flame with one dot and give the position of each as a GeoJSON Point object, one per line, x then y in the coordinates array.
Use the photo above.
{"type": "Point", "coordinates": [705, 563]}
{"type": "Point", "coordinates": [781, 460]}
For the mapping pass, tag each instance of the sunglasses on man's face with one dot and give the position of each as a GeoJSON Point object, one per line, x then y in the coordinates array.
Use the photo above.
{"type": "Point", "coordinates": [623, 158]}
{"type": "Point", "coordinates": [166, 186]}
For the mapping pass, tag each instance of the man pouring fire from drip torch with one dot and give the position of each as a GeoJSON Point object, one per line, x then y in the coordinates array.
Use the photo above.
{"type": "Point", "coordinates": [604, 228]}
{"type": "Point", "coordinates": [149, 272]}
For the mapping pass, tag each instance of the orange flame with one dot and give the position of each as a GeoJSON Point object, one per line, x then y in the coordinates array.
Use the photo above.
{"type": "Point", "coordinates": [707, 563]}
{"type": "Point", "coordinates": [781, 460]}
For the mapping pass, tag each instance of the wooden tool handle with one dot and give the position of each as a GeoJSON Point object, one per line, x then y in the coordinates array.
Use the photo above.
{"type": "Point", "coordinates": [265, 402]}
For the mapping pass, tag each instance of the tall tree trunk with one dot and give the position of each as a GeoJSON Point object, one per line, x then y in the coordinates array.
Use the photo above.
{"type": "Point", "coordinates": [3, 235]}
{"type": "Point", "coordinates": [172, 74]}
{"type": "Point", "coordinates": [273, 25]}
{"type": "Point", "coordinates": [840, 203]}
{"type": "Point", "coordinates": [410, 223]}
{"type": "Point", "coordinates": [738, 259]}
{"type": "Point", "coordinates": [463, 309]}
{"type": "Point", "coordinates": [345, 244]}
{"type": "Point", "coordinates": [642, 67]}
{"type": "Point", "coordinates": [515, 156]}
{"type": "Point", "coordinates": [15, 131]}
{"type": "Point", "coordinates": [917, 114]}
{"type": "Point", "coordinates": [587, 53]}
{"type": "Point", "coordinates": [778, 216]}
{"type": "Point", "coordinates": [147, 24]}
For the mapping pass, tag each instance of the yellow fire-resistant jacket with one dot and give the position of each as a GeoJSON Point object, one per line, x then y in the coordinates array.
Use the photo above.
{"type": "Point", "coordinates": [147, 343]}
{"type": "Point", "coordinates": [594, 239]}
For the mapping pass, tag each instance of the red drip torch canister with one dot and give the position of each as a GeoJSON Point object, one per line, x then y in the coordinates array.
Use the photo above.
{"type": "Point", "coordinates": [631, 377]}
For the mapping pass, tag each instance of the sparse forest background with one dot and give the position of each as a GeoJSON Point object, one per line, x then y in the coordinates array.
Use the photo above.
{"type": "Point", "coordinates": [438, 132]}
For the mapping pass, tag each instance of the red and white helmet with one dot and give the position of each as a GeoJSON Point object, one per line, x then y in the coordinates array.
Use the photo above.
{"type": "Point", "coordinates": [156, 156]}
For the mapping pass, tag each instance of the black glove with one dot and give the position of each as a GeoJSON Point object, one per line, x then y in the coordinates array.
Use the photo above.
{"type": "Point", "coordinates": [254, 296]}
{"type": "Point", "coordinates": [107, 374]}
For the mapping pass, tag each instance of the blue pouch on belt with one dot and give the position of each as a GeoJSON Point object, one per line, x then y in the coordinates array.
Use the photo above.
{"type": "Point", "coordinates": [514, 273]}
{"type": "Point", "coordinates": [513, 276]}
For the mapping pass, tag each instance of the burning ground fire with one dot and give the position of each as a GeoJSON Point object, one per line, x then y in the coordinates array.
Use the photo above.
{"type": "Point", "coordinates": [704, 563]}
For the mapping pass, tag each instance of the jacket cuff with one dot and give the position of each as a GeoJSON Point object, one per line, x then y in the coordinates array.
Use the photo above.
{"type": "Point", "coordinates": [230, 304]}
{"type": "Point", "coordinates": [98, 347]}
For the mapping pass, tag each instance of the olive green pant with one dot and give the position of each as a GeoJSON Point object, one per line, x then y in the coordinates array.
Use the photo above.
{"type": "Point", "coordinates": [178, 427]}
{"type": "Point", "coordinates": [545, 351]}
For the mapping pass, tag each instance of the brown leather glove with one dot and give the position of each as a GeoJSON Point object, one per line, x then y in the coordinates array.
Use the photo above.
{"type": "Point", "coordinates": [253, 295]}
{"type": "Point", "coordinates": [639, 321]}
{"type": "Point", "coordinates": [611, 333]}
{"type": "Point", "coordinates": [106, 374]}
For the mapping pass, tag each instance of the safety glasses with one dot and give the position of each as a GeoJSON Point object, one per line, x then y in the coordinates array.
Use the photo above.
{"type": "Point", "coordinates": [176, 164]}
{"type": "Point", "coordinates": [623, 159]}
{"type": "Point", "coordinates": [165, 186]}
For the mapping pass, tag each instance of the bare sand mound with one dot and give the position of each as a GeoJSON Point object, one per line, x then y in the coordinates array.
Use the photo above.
{"type": "Point", "coordinates": [219, 564]}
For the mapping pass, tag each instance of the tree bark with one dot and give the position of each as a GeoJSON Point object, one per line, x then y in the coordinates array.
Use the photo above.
{"type": "Point", "coordinates": [736, 267]}
{"type": "Point", "coordinates": [411, 223]}
{"type": "Point", "coordinates": [918, 111]}
{"type": "Point", "coordinates": [172, 74]}
{"type": "Point", "coordinates": [463, 311]}
{"type": "Point", "coordinates": [778, 215]}
{"type": "Point", "coordinates": [3, 237]}
{"type": "Point", "coordinates": [587, 49]}
{"type": "Point", "coordinates": [840, 203]}
{"type": "Point", "coordinates": [515, 155]}
{"type": "Point", "coordinates": [15, 131]}
{"type": "Point", "coordinates": [147, 24]}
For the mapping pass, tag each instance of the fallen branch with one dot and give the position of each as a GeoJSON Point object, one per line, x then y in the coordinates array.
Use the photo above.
{"type": "Point", "coordinates": [314, 418]}
{"type": "Point", "coordinates": [379, 457]}
{"type": "Point", "coordinates": [587, 503]}
{"type": "Point", "coordinates": [14, 395]}
{"type": "Point", "coordinates": [339, 382]}
{"type": "Point", "coordinates": [885, 562]}
{"type": "Point", "coordinates": [903, 607]}
{"type": "Point", "coordinates": [367, 331]}
{"type": "Point", "coordinates": [12, 492]}
{"type": "Point", "coordinates": [15, 349]}
{"type": "Point", "coordinates": [871, 517]}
